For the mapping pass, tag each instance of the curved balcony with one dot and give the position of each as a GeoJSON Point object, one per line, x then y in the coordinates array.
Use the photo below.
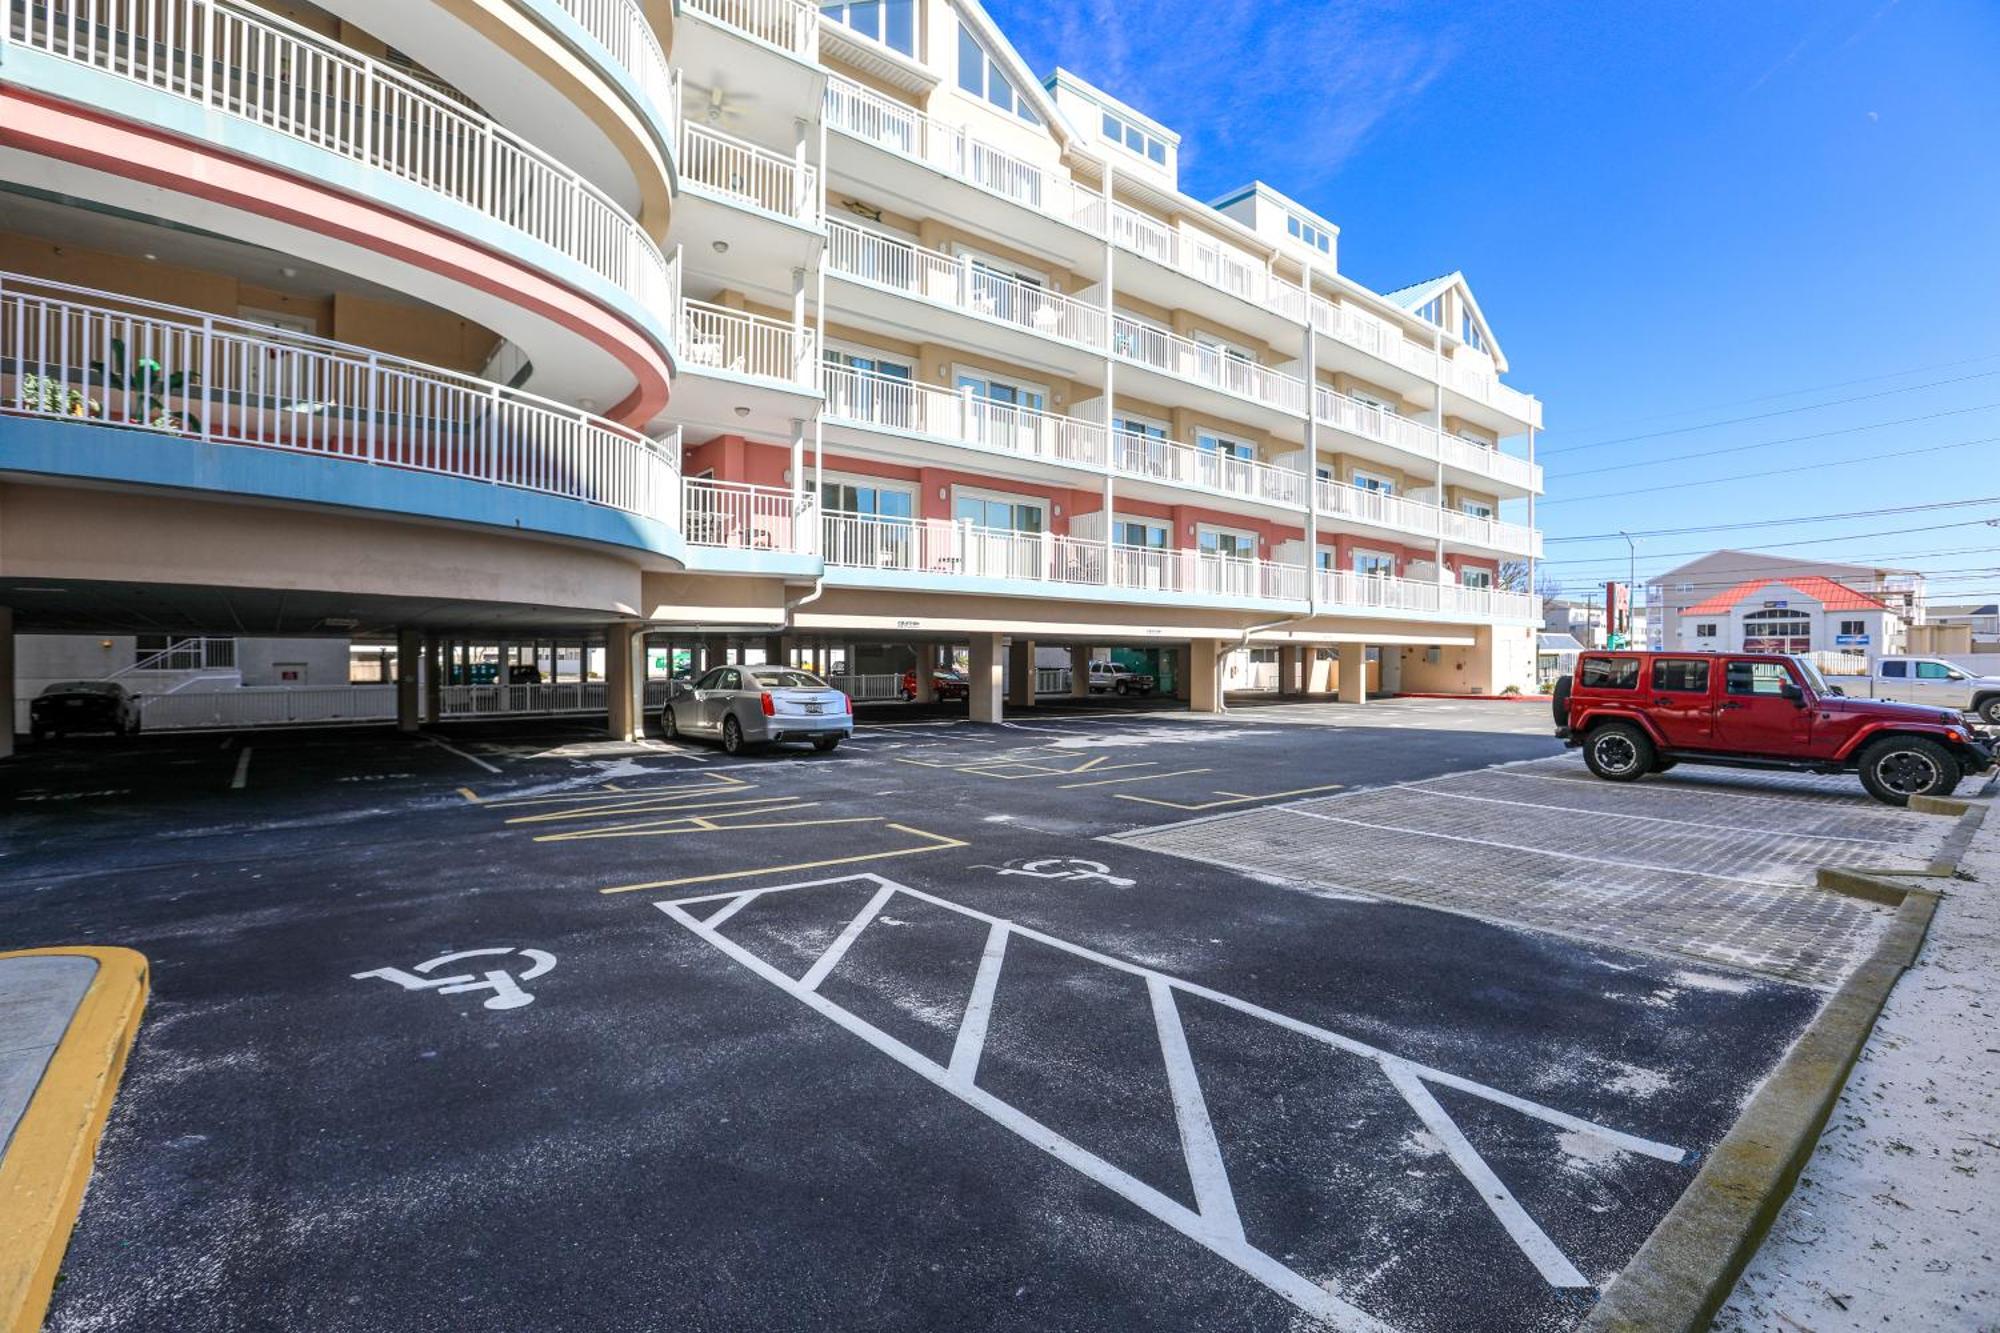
{"type": "Point", "coordinates": [792, 26]}
{"type": "Point", "coordinates": [257, 67]}
{"type": "Point", "coordinates": [622, 29]}
{"type": "Point", "coordinates": [184, 377]}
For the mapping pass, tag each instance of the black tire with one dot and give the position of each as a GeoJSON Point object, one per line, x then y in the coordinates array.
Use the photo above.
{"type": "Point", "coordinates": [38, 734]}
{"type": "Point", "coordinates": [1664, 765]}
{"type": "Point", "coordinates": [671, 728]}
{"type": "Point", "coordinates": [826, 744]}
{"type": "Point", "coordinates": [1989, 709]}
{"type": "Point", "coordinates": [1619, 752]}
{"type": "Point", "coordinates": [1122, 688]}
{"type": "Point", "coordinates": [1898, 767]}
{"type": "Point", "coordinates": [732, 736]}
{"type": "Point", "coordinates": [1561, 708]}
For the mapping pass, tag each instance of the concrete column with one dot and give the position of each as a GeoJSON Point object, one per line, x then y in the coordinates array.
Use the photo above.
{"type": "Point", "coordinates": [1288, 670]}
{"type": "Point", "coordinates": [624, 682]}
{"type": "Point", "coordinates": [927, 656]}
{"type": "Point", "coordinates": [774, 650]}
{"type": "Point", "coordinates": [6, 681]}
{"type": "Point", "coordinates": [714, 652]}
{"type": "Point", "coordinates": [433, 678]}
{"type": "Point", "coordinates": [1021, 673]}
{"type": "Point", "coordinates": [1392, 669]}
{"type": "Point", "coordinates": [1079, 672]}
{"type": "Point", "coordinates": [1204, 676]}
{"type": "Point", "coordinates": [409, 648]}
{"type": "Point", "coordinates": [1181, 673]}
{"type": "Point", "coordinates": [1353, 673]}
{"type": "Point", "coordinates": [985, 703]}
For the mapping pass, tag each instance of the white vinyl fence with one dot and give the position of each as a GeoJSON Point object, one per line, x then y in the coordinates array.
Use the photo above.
{"type": "Point", "coordinates": [288, 705]}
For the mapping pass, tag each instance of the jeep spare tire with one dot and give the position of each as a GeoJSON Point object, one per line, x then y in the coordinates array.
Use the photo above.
{"type": "Point", "coordinates": [1562, 701]}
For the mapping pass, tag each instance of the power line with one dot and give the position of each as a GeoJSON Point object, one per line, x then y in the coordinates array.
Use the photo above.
{"type": "Point", "coordinates": [1794, 393]}
{"type": "Point", "coordinates": [1764, 416]}
{"type": "Point", "coordinates": [1804, 541]}
{"type": "Point", "coordinates": [1781, 522]}
{"type": "Point", "coordinates": [1790, 439]}
{"type": "Point", "coordinates": [1774, 472]}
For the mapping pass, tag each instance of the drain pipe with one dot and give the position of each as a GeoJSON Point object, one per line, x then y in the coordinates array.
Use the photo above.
{"type": "Point", "coordinates": [1312, 502]}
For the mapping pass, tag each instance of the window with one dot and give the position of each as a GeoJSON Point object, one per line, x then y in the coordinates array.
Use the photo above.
{"type": "Point", "coordinates": [860, 497]}
{"type": "Point", "coordinates": [1240, 545]}
{"type": "Point", "coordinates": [1149, 430]}
{"type": "Point", "coordinates": [980, 75]}
{"type": "Point", "coordinates": [1133, 139]}
{"type": "Point", "coordinates": [871, 390]}
{"type": "Point", "coordinates": [1375, 563]}
{"type": "Point", "coordinates": [1366, 482]}
{"type": "Point", "coordinates": [1308, 233]}
{"type": "Point", "coordinates": [1138, 532]}
{"type": "Point", "coordinates": [1216, 444]}
{"type": "Point", "coordinates": [1002, 393]}
{"type": "Point", "coordinates": [1758, 678]}
{"type": "Point", "coordinates": [1432, 310]}
{"type": "Point", "coordinates": [998, 512]}
{"type": "Point", "coordinates": [1935, 671]}
{"type": "Point", "coordinates": [1896, 670]}
{"type": "Point", "coordinates": [1325, 561]}
{"type": "Point", "coordinates": [1705, 630]}
{"type": "Point", "coordinates": [713, 680]}
{"type": "Point", "coordinates": [1476, 578]}
{"type": "Point", "coordinates": [890, 22]}
{"type": "Point", "coordinates": [1777, 632]}
{"type": "Point", "coordinates": [1468, 332]}
{"type": "Point", "coordinates": [1609, 673]}
{"type": "Point", "coordinates": [1476, 508]}
{"type": "Point", "coordinates": [1681, 677]}
{"type": "Point", "coordinates": [1853, 627]}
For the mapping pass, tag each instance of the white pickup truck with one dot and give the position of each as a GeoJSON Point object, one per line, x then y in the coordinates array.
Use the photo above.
{"type": "Point", "coordinates": [1926, 680]}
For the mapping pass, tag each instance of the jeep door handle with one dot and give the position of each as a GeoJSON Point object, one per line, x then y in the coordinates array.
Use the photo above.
{"type": "Point", "coordinates": [1720, 707]}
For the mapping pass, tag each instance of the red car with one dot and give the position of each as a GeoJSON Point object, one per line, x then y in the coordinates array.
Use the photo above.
{"type": "Point", "coordinates": [946, 683]}
{"type": "Point", "coordinates": [1634, 713]}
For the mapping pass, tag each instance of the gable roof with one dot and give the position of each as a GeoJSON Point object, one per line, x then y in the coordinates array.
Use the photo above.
{"type": "Point", "coordinates": [1830, 595]}
{"type": "Point", "coordinates": [1420, 294]}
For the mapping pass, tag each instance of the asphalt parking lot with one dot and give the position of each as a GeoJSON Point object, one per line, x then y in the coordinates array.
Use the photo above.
{"type": "Point", "coordinates": [1380, 1018]}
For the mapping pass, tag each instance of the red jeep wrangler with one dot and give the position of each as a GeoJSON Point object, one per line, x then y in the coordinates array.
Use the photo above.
{"type": "Point", "coordinates": [1634, 713]}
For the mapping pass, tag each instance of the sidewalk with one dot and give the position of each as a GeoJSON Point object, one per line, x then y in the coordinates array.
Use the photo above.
{"type": "Point", "coordinates": [1896, 1220]}
{"type": "Point", "coordinates": [67, 1019]}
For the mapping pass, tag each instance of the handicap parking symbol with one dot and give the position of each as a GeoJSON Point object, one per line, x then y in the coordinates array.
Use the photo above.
{"type": "Point", "coordinates": [1060, 867]}
{"type": "Point", "coordinates": [501, 980]}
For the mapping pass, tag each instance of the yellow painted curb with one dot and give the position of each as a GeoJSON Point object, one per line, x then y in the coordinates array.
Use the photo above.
{"type": "Point", "coordinates": [47, 1165]}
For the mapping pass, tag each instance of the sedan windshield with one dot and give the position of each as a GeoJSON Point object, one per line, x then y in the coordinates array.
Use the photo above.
{"type": "Point", "coordinates": [82, 687]}
{"type": "Point", "coordinates": [787, 680]}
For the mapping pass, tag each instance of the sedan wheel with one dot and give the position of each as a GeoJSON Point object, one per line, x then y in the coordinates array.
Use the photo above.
{"type": "Point", "coordinates": [668, 725]}
{"type": "Point", "coordinates": [732, 735]}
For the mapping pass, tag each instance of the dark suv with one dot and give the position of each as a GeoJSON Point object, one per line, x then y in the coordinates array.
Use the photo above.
{"type": "Point", "coordinates": [1634, 713]}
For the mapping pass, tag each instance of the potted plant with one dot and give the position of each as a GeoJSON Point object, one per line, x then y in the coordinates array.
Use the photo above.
{"type": "Point", "coordinates": [152, 383]}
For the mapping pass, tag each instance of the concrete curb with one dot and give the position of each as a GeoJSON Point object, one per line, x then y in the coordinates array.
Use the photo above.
{"type": "Point", "coordinates": [48, 1161]}
{"type": "Point", "coordinates": [1686, 1269]}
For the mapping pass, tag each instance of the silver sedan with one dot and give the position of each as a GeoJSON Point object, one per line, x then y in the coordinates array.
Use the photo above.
{"type": "Point", "coordinates": [758, 705]}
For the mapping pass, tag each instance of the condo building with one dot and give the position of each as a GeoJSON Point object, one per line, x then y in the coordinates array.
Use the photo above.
{"type": "Point", "coordinates": [759, 327]}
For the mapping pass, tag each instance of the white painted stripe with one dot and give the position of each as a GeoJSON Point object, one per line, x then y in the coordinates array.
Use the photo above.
{"type": "Point", "coordinates": [1206, 1171]}
{"type": "Point", "coordinates": [971, 1041]}
{"type": "Point", "coordinates": [1542, 1252]}
{"type": "Point", "coordinates": [471, 759]}
{"type": "Point", "coordinates": [1542, 851]}
{"type": "Point", "coordinates": [1632, 1143]}
{"type": "Point", "coordinates": [1312, 1297]}
{"type": "Point", "coordinates": [735, 905]}
{"type": "Point", "coordinates": [1420, 789]}
{"type": "Point", "coordinates": [242, 778]}
{"type": "Point", "coordinates": [838, 949]}
{"type": "Point", "coordinates": [1857, 803]}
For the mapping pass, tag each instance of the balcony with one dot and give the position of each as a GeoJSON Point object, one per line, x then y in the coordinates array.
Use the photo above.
{"type": "Point", "coordinates": [865, 115]}
{"type": "Point", "coordinates": [1343, 591]}
{"type": "Point", "coordinates": [1205, 261]}
{"type": "Point", "coordinates": [1416, 518]}
{"type": "Point", "coordinates": [1367, 421]}
{"type": "Point", "coordinates": [792, 26]}
{"type": "Point", "coordinates": [887, 403]}
{"type": "Point", "coordinates": [621, 28]}
{"type": "Point", "coordinates": [1214, 367]}
{"type": "Point", "coordinates": [739, 172]}
{"type": "Point", "coordinates": [1171, 463]}
{"type": "Point", "coordinates": [956, 283]}
{"type": "Point", "coordinates": [182, 376]}
{"type": "Point", "coordinates": [254, 66]}
{"type": "Point", "coordinates": [731, 515]}
{"type": "Point", "coordinates": [735, 342]}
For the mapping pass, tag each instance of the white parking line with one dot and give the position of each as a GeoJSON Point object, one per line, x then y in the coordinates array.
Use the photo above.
{"type": "Point", "coordinates": [242, 777]}
{"type": "Point", "coordinates": [470, 759]}
{"type": "Point", "coordinates": [1420, 790]}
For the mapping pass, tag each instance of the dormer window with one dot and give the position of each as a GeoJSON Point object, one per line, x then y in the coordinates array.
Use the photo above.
{"type": "Point", "coordinates": [980, 75]}
{"type": "Point", "coordinates": [1309, 234]}
{"type": "Point", "coordinates": [1134, 140]}
{"type": "Point", "coordinates": [1468, 331]}
{"type": "Point", "coordinates": [890, 22]}
{"type": "Point", "coordinates": [1432, 311]}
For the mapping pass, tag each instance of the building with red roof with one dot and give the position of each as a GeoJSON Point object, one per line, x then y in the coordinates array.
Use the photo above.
{"type": "Point", "coordinates": [1743, 601]}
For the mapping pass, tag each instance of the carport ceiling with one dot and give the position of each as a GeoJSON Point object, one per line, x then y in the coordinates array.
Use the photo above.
{"type": "Point", "coordinates": [44, 606]}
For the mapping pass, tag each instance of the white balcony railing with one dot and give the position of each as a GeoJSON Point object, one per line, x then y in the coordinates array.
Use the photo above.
{"type": "Point", "coordinates": [862, 113]}
{"type": "Point", "coordinates": [958, 282]}
{"type": "Point", "coordinates": [100, 358]}
{"type": "Point", "coordinates": [789, 25]}
{"type": "Point", "coordinates": [740, 171]}
{"type": "Point", "coordinates": [1418, 518]}
{"type": "Point", "coordinates": [885, 402]}
{"type": "Point", "coordinates": [622, 28]}
{"type": "Point", "coordinates": [717, 338]}
{"type": "Point", "coordinates": [731, 514]}
{"type": "Point", "coordinates": [256, 66]}
{"type": "Point", "coordinates": [1216, 367]}
{"type": "Point", "coordinates": [1199, 257]}
{"type": "Point", "coordinates": [1178, 464]}
{"type": "Point", "coordinates": [1344, 589]}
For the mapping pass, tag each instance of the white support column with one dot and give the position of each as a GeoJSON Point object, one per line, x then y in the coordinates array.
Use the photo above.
{"type": "Point", "coordinates": [1021, 673]}
{"type": "Point", "coordinates": [1353, 673]}
{"type": "Point", "coordinates": [1204, 676]}
{"type": "Point", "coordinates": [1312, 447]}
{"type": "Point", "coordinates": [1437, 398]}
{"type": "Point", "coordinates": [985, 678]}
{"type": "Point", "coordinates": [1530, 589]}
{"type": "Point", "coordinates": [6, 681]}
{"type": "Point", "coordinates": [409, 650]}
{"type": "Point", "coordinates": [927, 656]}
{"type": "Point", "coordinates": [1110, 367]}
{"type": "Point", "coordinates": [624, 682]}
{"type": "Point", "coordinates": [433, 679]}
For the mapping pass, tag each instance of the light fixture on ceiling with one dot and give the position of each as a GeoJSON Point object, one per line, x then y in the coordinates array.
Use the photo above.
{"type": "Point", "coordinates": [743, 412]}
{"type": "Point", "coordinates": [289, 271]}
{"type": "Point", "coordinates": [720, 247]}
{"type": "Point", "coordinates": [151, 258]}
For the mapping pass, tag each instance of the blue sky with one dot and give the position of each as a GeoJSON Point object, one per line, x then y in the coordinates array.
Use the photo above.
{"type": "Point", "coordinates": [1673, 214]}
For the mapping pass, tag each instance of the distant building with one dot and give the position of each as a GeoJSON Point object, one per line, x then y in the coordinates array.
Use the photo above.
{"type": "Point", "coordinates": [1585, 621]}
{"type": "Point", "coordinates": [1744, 601]}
